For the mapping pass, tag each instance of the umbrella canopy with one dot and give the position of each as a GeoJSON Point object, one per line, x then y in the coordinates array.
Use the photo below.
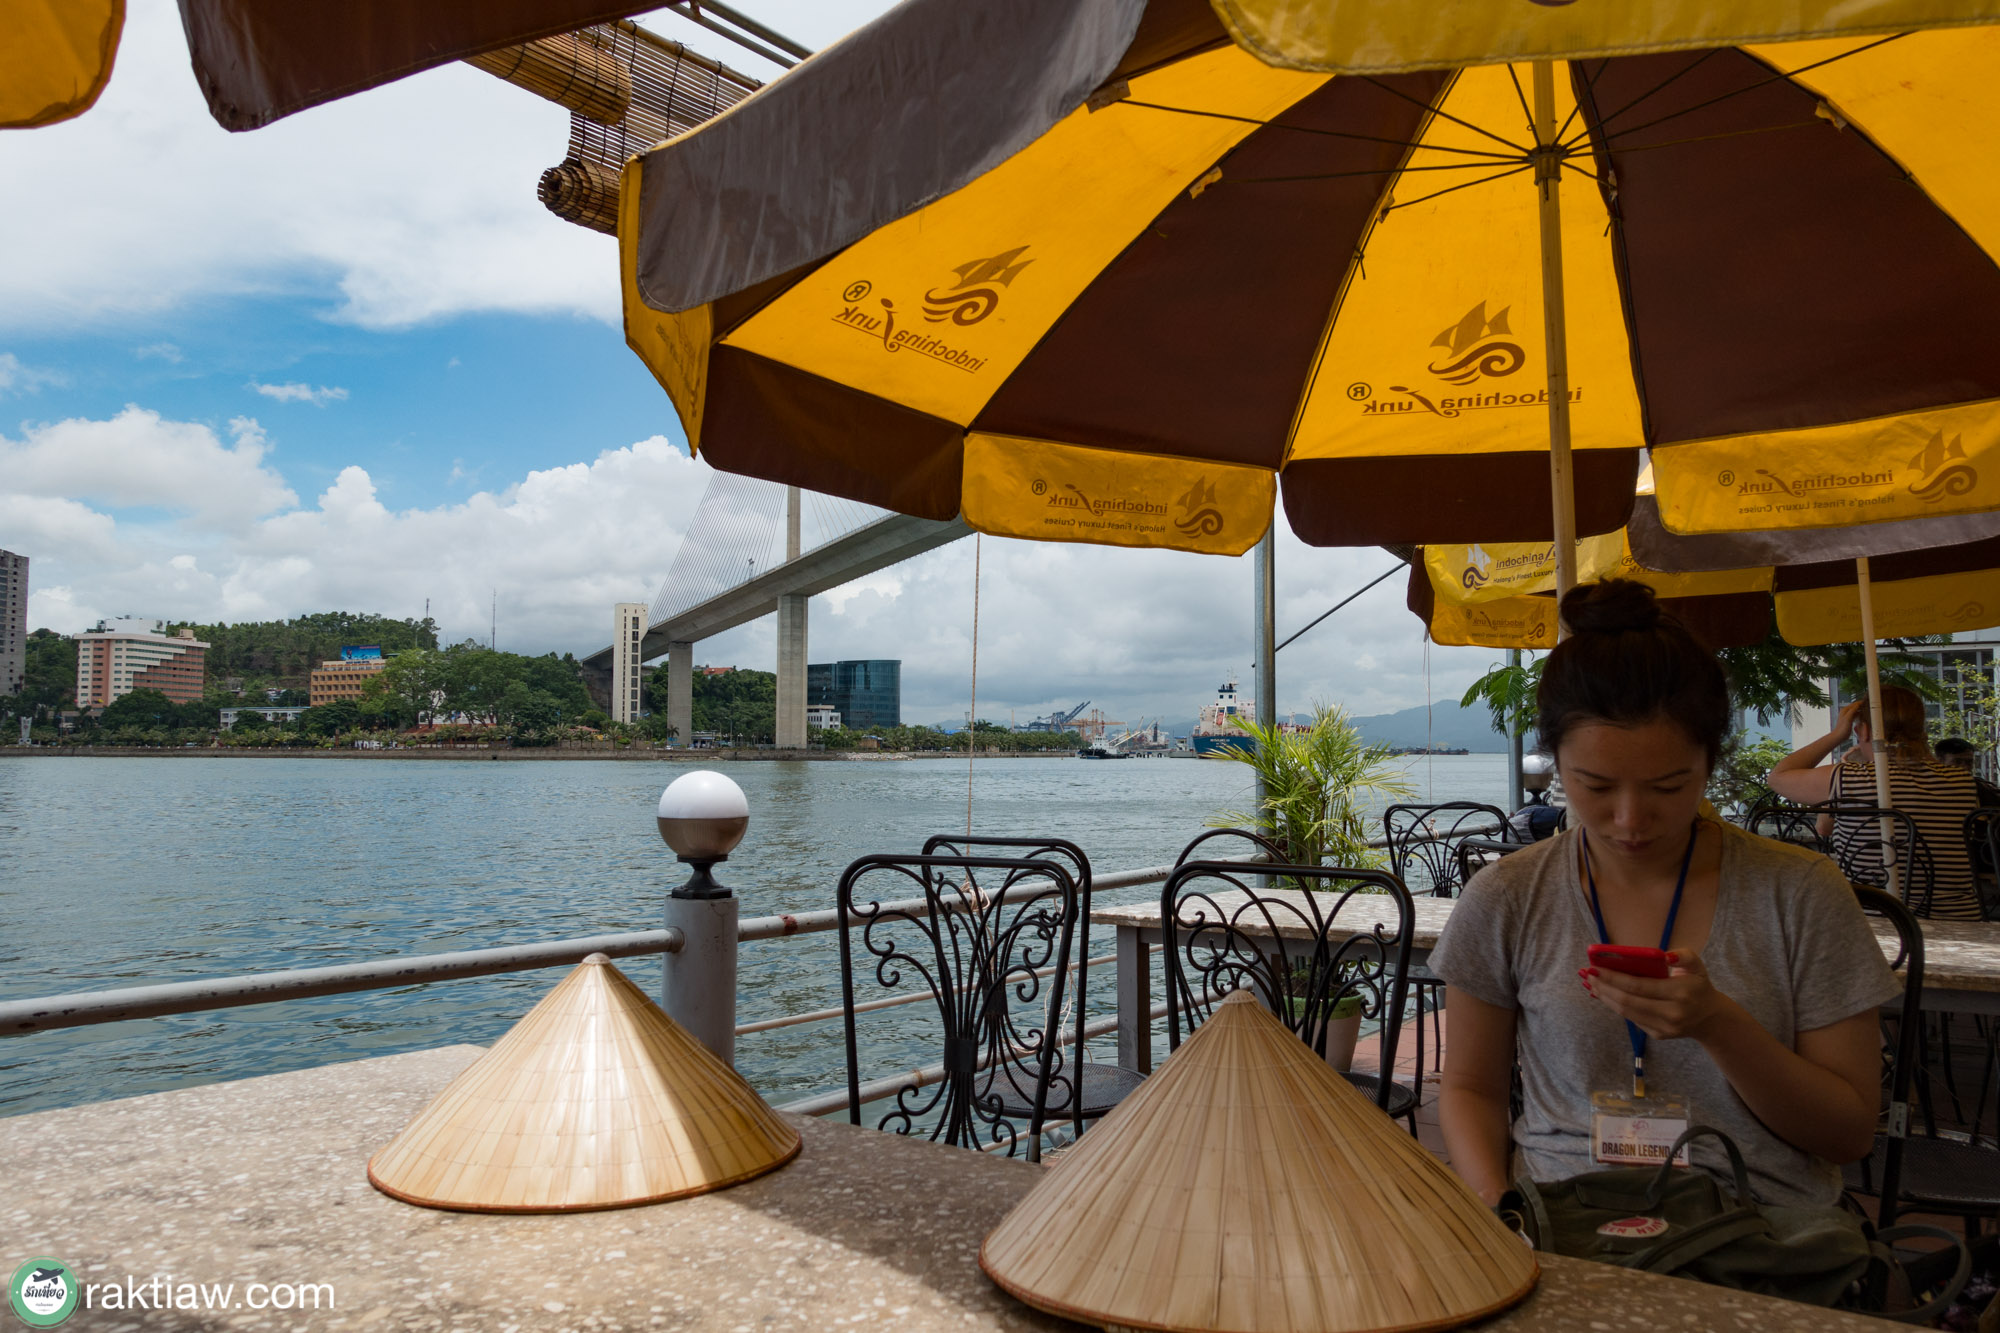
{"type": "Point", "coordinates": [56, 58]}
{"type": "Point", "coordinates": [1092, 272]}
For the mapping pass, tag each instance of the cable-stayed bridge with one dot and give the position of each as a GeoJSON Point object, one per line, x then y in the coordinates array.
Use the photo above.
{"type": "Point", "coordinates": [755, 548]}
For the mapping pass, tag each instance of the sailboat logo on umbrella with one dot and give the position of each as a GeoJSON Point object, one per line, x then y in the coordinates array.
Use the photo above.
{"type": "Point", "coordinates": [1477, 345]}
{"type": "Point", "coordinates": [1198, 511]}
{"type": "Point", "coordinates": [1476, 572]}
{"type": "Point", "coordinates": [1942, 469]}
{"type": "Point", "coordinates": [977, 294]}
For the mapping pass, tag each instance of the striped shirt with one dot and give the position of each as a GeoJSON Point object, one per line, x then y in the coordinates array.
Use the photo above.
{"type": "Point", "coordinates": [1937, 798]}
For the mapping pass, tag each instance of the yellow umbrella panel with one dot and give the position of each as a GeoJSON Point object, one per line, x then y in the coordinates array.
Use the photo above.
{"type": "Point", "coordinates": [56, 58]}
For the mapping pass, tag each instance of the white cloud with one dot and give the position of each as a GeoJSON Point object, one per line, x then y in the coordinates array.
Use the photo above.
{"type": "Point", "coordinates": [300, 393]}
{"type": "Point", "coordinates": [1143, 634]}
{"type": "Point", "coordinates": [138, 460]}
{"type": "Point", "coordinates": [167, 352]}
{"type": "Point", "coordinates": [17, 378]}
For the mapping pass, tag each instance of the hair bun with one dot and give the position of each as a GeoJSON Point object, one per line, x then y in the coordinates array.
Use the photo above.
{"type": "Point", "coordinates": [1612, 607]}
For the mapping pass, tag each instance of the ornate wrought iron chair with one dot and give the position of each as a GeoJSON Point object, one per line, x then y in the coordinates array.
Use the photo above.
{"type": "Point", "coordinates": [1778, 819]}
{"type": "Point", "coordinates": [1982, 848]}
{"type": "Point", "coordinates": [1475, 854]}
{"type": "Point", "coordinates": [1323, 933]}
{"type": "Point", "coordinates": [1423, 853]}
{"type": "Point", "coordinates": [988, 961]}
{"type": "Point", "coordinates": [1861, 857]}
{"type": "Point", "coordinates": [1104, 1086]}
{"type": "Point", "coordinates": [1259, 846]}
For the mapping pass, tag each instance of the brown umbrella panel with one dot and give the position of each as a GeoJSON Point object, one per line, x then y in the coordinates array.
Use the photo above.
{"type": "Point", "coordinates": [1112, 303]}
{"type": "Point", "coordinates": [1247, 1188]}
{"type": "Point", "coordinates": [595, 1099]}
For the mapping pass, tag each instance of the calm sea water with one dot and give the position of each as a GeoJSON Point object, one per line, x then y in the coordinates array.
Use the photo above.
{"type": "Point", "coordinates": [117, 872]}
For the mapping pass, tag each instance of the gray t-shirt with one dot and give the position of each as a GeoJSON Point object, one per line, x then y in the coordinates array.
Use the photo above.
{"type": "Point", "coordinates": [1789, 944]}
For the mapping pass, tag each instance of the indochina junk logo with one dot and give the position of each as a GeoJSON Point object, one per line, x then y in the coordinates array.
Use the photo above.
{"type": "Point", "coordinates": [1199, 516]}
{"type": "Point", "coordinates": [1477, 346]}
{"type": "Point", "coordinates": [975, 296]}
{"type": "Point", "coordinates": [1942, 469]}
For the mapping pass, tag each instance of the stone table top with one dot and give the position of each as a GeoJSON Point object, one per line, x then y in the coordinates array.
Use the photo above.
{"type": "Point", "coordinates": [262, 1181]}
{"type": "Point", "coordinates": [1958, 955]}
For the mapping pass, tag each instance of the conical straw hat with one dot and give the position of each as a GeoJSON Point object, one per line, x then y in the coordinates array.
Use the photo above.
{"type": "Point", "coordinates": [1248, 1188]}
{"type": "Point", "coordinates": [595, 1099]}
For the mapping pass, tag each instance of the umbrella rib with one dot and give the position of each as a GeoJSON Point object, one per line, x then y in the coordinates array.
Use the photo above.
{"type": "Point", "coordinates": [1522, 98]}
{"type": "Point", "coordinates": [1440, 112]}
{"type": "Point", "coordinates": [1328, 134]}
{"type": "Point", "coordinates": [1659, 87]}
{"type": "Point", "coordinates": [1726, 134]}
{"type": "Point", "coordinates": [1576, 105]}
{"type": "Point", "coordinates": [1498, 175]}
{"type": "Point", "coordinates": [1784, 77]}
{"type": "Point", "coordinates": [1373, 171]}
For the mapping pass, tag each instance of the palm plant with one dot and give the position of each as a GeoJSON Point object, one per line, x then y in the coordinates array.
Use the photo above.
{"type": "Point", "coordinates": [1318, 787]}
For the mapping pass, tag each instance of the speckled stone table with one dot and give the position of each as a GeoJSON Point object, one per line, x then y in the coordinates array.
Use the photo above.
{"type": "Point", "coordinates": [261, 1181]}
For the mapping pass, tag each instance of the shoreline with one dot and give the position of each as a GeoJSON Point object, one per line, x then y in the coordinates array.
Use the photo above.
{"type": "Point", "coordinates": [507, 755]}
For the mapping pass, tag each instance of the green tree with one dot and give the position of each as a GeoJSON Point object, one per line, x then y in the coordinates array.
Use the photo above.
{"type": "Point", "coordinates": [1319, 785]}
{"type": "Point", "coordinates": [1742, 770]}
{"type": "Point", "coordinates": [49, 678]}
{"type": "Point", "coordinates": [330, 719]}
{"type": "Point", "coordinates": [139, 709]}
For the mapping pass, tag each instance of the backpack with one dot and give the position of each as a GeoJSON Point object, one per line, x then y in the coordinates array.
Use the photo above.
{"type": "Point", "coordinates": [1681, 1222]}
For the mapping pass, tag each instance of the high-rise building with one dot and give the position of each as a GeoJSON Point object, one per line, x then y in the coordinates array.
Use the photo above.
{"type": "Point", "coordinates": [13, 622]}
{"type": "Point", "coordinates": [865, 694]}
{"type": "Point", "coordinates": [120, 656]}
{"type": "Point", "coordinates": [628, 633]}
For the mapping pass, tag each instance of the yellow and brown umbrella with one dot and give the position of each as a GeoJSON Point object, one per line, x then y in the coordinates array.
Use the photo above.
{"type": "Point", "coordinates": [55, 58]}
{"type": "Point", "coordinates": [1093, 271]}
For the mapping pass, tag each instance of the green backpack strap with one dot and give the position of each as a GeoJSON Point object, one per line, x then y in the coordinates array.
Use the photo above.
{"type": "Point", "coordinates": [1677, 1252]}
{"type": "Point", "coordinates": [1884, 1244]}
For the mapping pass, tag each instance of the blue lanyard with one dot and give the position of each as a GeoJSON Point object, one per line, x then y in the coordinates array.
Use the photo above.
{"type": "Point", "coordinates": [1632, 1029]}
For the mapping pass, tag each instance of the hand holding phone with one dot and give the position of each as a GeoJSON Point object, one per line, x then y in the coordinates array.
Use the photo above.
{"type": "Point", "coordinates": [1631, 959]}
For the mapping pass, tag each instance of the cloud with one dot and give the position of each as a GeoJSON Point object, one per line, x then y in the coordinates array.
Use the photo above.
{"type": "Point", "coordinates": [139, 460]}
{"type": "Point", "coordinates": [1142, 634]}
{"type": "Point", "coordinates": [17, 378]}
{"type": "Point", "coordinates": [300, 393]}
{"type": "Point", "coordinates": [167, 352]}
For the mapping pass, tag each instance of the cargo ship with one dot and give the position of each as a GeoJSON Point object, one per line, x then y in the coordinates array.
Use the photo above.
{"type": "Point", "coordinates": [1218, 728]}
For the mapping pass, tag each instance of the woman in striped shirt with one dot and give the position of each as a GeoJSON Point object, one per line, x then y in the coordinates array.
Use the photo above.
{"type": "Point", "coordinates": [1937, 797]}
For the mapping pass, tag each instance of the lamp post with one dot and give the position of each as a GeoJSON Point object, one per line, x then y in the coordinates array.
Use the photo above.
{"type": "Point", "coordinates": [702, 816]}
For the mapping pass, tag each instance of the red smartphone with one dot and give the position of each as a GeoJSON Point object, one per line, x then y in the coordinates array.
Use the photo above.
{"type": "Point", "coordinates": [1631, 959]}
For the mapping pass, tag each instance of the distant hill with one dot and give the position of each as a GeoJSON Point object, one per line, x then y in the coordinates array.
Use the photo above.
{"type": "Point", "coordinates": [1448, 727]}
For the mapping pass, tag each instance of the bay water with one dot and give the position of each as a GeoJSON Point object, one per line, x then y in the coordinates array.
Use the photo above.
{"type": "Point", "coordinates": [125, 871]}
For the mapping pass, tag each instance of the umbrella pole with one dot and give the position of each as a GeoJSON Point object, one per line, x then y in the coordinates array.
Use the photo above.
{"type": "Point", "coordinates": [1264, 631]}
{"type": "Point", "coordinates": [1878, 748]}
{"type": "Point", "coordinates": [1548, 180]}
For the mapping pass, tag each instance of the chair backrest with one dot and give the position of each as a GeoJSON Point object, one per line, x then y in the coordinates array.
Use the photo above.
{"type": "Point", "coordinates": [1040, 849]}
{"type": "Point", "coordinates": [1775, 818]}
{"type": "Point", "coordinates": [983, 955]}
{"type": "Point", "coordinates": [1422, 839]}
{"type": "Point", "coordinates": [1863, 832]}
{"type": "Point", "coordinates": [1982, 841]}
{"type": "Point", "coordinates": [1475, 854]}
{"type": "Point", "coordinates": [1260, 845]}
{"type": "Point", "coordinates": [1909, 1029]}
{"type": "Point", "coordinates": [1323, 933]}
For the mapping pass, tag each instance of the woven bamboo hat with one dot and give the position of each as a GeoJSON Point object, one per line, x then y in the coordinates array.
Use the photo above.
{"type": "Point", "coordinates": [595, 1099]}
{"type": "Point", "coordinates": [1248, 1188]}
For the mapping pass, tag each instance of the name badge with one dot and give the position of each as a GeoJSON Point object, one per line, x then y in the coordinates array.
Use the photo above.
{"type": "Point", "coordinates": [1636, 1131]}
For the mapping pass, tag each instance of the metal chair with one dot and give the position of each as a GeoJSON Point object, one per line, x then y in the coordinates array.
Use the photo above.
{"type": "Point", "coordinates": [1104, 1086]}
{"type": "Point", "coordinates": [1423, 853]}
{"type": "Point", "coordinates": [1327, 933]}
{"type": "Point", "coordinates": [1475, 854]}
{"type": "Point", "coordinates": [1982, 848]}
{"type": "Point", "coordinates": [1919, 1172]}
{"type": "Point", "coordinates": [1861, 856]}
{"type": "Point", "coordinates": [1261, 845]}
{"type": "Point", "coordinates": [978, 954]}
{"type": "Point", "coordinates": [1775, 818]}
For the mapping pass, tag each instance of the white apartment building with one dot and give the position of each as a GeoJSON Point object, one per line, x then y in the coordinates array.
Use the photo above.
{"type": "Point", "coordinates": [822, 717]}
{"type": "Point", "coordinates": [127, 654]}
{"type": "Point", "coordinates": [13, 621]}
{"type": "Point", "coordinates": [628, 633]}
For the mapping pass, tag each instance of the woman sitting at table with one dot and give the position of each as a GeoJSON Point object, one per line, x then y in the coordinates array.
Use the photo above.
{"type": "Point", "coordinates": [1765, 1025]}
{"type": "Point", "coordinates": [1936, 796]}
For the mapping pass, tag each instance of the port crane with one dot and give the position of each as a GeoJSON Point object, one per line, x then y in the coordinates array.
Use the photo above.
{"type": "Point", "coordinates": [1059, 721]}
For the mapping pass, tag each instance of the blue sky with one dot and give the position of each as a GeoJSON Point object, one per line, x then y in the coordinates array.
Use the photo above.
{"type": "Point", "coordinates": [349, 361]}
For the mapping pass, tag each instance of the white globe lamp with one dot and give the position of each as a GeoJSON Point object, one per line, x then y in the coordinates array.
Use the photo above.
{"type": "Point", "coordinates": [703, 815]}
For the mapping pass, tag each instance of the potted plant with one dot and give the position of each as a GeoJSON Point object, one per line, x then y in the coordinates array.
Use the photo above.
{"type": "Point", "coordinates": [1318, 783]}
{"type": "Point", "coordinates": [1342, 1012]}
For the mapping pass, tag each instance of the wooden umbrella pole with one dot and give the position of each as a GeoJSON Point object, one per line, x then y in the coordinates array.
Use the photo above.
{"type": "Point", "coordinates": [1548, 180]}
{"type": "Point", "coordinates": [1878, 748]}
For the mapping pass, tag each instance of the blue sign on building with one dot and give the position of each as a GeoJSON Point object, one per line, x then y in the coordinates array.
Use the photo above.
{"type": "Point", "coordinates": [365, 653]}
{"type": "Point", "coordinates": [866, 694]}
